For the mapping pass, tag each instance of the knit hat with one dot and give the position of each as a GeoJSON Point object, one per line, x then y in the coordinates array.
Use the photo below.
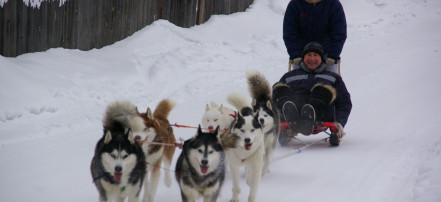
{"type": "Point", "coordinates": [314, 47]}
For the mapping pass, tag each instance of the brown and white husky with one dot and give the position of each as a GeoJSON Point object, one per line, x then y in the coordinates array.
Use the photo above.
{"type": "Point", "coordinates": [157, 143]}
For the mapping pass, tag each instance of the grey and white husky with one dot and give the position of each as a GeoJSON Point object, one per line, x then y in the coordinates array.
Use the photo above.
{"type": "Point", "coordinates": [117, 168]}
{"type": "Point", "coordinates": [267, 113]}
{"type": "Point", "coordinates": [200, 169]}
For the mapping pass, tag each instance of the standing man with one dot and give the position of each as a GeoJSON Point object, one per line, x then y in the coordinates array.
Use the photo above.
{"type": "Point", "coordinates": [323, 21]}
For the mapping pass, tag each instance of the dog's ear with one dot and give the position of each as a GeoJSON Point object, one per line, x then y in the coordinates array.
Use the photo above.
{"type": "Point", "coordinates": [268, 104]}
{"type": "Point", "coordinates": [239, 115]}
{"type": "Point", "coordinates": [256, 122]}
{"type": "Point", "coordinates": [107, 137]}
{"type": "Point", "coordinates": [253, 102]}
{"type": "Point", "coordinates": [129, 134]}
{"type": "Point", "coordinates": [207, 107]}
{"type": "Point", "coordinates": [239, 121]}
{"type": "Point", "coordinates": [220, 109]}
{"type": "Point", "coordinates": [149, 113]}
{"type": "Point", "coordinates": [199, 130]}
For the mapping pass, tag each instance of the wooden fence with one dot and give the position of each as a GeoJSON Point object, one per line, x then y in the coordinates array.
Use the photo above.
{"type": "Point", "coordinates": [88, 24]}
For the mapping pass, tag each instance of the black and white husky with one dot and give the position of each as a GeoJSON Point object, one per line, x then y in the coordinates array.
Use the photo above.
{"type": "Point", "coordinates": [117, 168]}
{"type": "Point", "coordinates": [250, 150]}
{"type": "Point", "coordinates": [200, 169]}
{"type": "Point", "coordinates": [267, 113]}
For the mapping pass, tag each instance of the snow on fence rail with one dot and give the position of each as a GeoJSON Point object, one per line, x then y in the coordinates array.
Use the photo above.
{"type": "Point", "coordinates": [84, 25]}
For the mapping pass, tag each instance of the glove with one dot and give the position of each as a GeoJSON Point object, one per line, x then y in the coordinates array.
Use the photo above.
{"type": "Point", "coordinates": [340, 131]}
{"type": "Point", "coordinates": [330, 62]}
{"type": "Point", "coordinates": [296, 61]}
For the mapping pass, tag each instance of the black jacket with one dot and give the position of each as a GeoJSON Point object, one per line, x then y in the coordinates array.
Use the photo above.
{"type": "Point", "coordinates": [324, 22]}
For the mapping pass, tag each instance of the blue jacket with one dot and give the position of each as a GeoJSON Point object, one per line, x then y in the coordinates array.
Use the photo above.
{"type": "Point", "coordinates": [324, 22]}
{"type": "Point", "coordinates": [301, 83]}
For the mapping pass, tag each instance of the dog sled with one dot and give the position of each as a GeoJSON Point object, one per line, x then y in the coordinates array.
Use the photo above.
{"type": "Point", "coordinates": [286, 135]}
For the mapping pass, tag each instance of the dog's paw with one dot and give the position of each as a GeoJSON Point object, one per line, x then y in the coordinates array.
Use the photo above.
{"type": "Point", "coordinates": [251, 198]}
{"type": "Point", "coordinates": [236, 192]}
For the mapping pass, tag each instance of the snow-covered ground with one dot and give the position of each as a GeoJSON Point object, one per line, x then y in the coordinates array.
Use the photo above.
{"type": "Point", "coordinates": [52, 103]}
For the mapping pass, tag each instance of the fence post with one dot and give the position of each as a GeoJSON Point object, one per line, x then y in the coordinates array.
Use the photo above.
{"type": "Point", "coordinates": [201, 12]}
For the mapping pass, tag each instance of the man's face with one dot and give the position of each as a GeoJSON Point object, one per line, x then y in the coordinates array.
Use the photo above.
{"type": "Point", "coordinates": [312, 60]}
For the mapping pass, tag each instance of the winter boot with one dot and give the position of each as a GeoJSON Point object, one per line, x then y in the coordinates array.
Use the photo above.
{"type": "Point", "coordinates": [308, 118]}
{"type": "Point", "coordinates": [322, 95]}
{"type": "Point", "coordinates": [291, 116]}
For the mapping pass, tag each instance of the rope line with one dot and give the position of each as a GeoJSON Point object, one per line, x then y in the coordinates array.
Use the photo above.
{"type": "Point", "coordinates": [209, 129]}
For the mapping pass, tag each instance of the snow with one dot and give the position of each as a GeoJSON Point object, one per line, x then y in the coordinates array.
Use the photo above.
{"type": "Point", "coordinates": [52, 103]}
{"type": "Point", "coordinates": [32, 3]}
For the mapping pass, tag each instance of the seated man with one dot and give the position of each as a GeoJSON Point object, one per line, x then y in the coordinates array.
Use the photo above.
{"type": "Point", "coordinates": [320, 95]}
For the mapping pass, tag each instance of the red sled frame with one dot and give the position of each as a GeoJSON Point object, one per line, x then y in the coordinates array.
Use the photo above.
{"type": "Point", "coordinates": [321, 126]}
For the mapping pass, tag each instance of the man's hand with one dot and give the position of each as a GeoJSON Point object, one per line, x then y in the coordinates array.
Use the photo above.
{"type": "Point", "coordinates": [296, 61]}
{"type": "Point", "coordinates": [340, 131]}
{"type": "Point", "coordinates": [330, 62]}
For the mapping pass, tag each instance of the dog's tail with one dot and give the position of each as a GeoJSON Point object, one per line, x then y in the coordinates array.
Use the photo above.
{"type": "Point", "coordinates": [163, 109]}
{"type": "Point", "coordinates": [125, 113]}
{"type": "Point", "coordinates": [239, 101]}
{"type": "Point", "coordinates": [258, 85]}
{"type": "Point", "coordinates": [229, 140]}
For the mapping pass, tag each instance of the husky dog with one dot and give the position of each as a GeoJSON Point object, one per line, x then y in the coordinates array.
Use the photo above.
{"type": "Point", "coordinates": [117, 168]}
{"type": "Point", "coordinates": [250, 149]}
{"type": "Point", "coordinates": [217, 116]}
{"type": "Point", "coordinates": [200, 169]}
{"type": "Point", "coordinates": [268, 115]}
{"type": "Point", "coordinates": [158, 145]}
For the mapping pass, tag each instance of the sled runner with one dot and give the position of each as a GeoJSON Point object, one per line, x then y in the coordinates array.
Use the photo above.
{"type": "Point", "coordinates": [319, 126]}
